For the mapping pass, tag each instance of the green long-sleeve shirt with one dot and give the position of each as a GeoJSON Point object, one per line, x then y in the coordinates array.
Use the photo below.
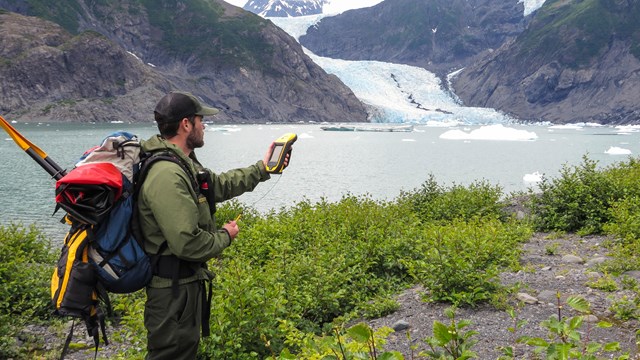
{"type": "Point", "coordinates": [168, 210]}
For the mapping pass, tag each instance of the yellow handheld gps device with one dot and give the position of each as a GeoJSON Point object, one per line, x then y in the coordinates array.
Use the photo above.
{"type": "Point", "coordinates": [282, 147]}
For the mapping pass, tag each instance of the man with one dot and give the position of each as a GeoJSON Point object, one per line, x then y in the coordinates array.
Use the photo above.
{"type": "Point", "coordinates": [178, 225]}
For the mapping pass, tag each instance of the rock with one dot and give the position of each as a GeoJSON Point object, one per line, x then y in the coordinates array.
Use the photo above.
{"type": "Point", "coordinates": [572, 259]}
{"type": "Point", "coordinates": [548, 296]}
{"type": "Point", "coordinates": [596, 261]}
{"type": "Point", "coordinates": [590, 318]}
{"type": "Point", "coordinates": [632, 274]}
{"type": "Point", "coordinates": [593, 275]}
{"type": "Point", "coordinates": [400, 325]}
{"type": "Point", "coordinates": [526, 298]}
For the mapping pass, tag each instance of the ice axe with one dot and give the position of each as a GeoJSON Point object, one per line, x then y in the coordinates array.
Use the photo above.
{"type": "Point", "coordinates": [35, 152]}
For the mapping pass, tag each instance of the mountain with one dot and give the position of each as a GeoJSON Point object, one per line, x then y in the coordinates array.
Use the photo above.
{"type": "Point", "coordinates": [284, 8]}
{"type": "Point", "coordinates": [578, 61]}
{"type": "Point", "coordinates": [81, 60]}
{"type": "Point", "coordinates": [439, 35]}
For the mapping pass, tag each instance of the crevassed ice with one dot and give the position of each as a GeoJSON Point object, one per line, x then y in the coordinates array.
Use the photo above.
{"type": "Point", "coordinates": [395, 93]}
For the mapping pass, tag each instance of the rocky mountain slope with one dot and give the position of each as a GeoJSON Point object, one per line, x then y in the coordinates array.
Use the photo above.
{"type": "Point", "coordinates": [439, 35]}
{"type": "Point", "coordinates": [578, 61]}
{"type": "Point", "coordinates": [107, 61]}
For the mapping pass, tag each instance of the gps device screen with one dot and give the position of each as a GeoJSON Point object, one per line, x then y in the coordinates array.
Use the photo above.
{"type": "Point", "coordinates": [275, 155]}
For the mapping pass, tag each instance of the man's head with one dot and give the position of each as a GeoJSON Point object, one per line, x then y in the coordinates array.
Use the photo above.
{"type": "Point", "coordinates": [175, 107]}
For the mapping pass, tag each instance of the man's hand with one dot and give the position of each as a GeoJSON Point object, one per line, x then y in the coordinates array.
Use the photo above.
{"type": "Point", "coordinates": [232, 229]}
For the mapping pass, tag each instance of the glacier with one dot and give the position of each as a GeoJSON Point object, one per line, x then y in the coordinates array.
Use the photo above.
{"type": "Point", "coordinates": [395, 93]}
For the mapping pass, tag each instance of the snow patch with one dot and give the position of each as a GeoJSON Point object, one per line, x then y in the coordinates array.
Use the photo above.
{"type": "Point", "coordinates": [531, 5]}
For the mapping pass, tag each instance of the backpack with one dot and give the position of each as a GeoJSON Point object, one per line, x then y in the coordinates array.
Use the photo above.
{"type": "Point", "coordinates": [102, 251]}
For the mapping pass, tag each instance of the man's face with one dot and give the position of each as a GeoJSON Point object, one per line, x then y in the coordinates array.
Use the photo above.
{"type": "Point", "coordinates": [196, 136]}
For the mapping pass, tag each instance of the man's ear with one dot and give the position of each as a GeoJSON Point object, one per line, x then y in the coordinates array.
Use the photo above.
{"type": "Point", "coordinates": [185, 123]}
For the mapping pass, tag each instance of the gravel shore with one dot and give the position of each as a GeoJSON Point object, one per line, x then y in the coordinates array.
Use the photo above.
{"type": "Point", "coordinates": [553, 266]}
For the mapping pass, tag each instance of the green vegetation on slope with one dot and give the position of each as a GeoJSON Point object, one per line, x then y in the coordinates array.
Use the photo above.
{"type": "Point", "coordinates": [198, 28]}
{"type": "Point", "coordinates": [186, 30]}
{"type": "Point", "coordinates": [575, 32]}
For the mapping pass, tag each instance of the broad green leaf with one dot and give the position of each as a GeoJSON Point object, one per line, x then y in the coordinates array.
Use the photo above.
{"type": "Point", "coordinates": [360, 333]}
{"type": "Point", "coordinates": [559, 351]}
{"type": "Point", "coordinates": [286, 355]}
{"type": "Point", "coordinates": [574, 335]}
{"type": "Point", "coordinates": [467, 354]}
{"type": "Point", "coordinates": [464, 323]}
{"type": "Point", "coordinates": [393, 355]}
{"type": "Point", "coordinates": [507, 351]}
{"type": "Point", "coordinates": [593, 347]}
{"type": "Point", "coordinates": [575, 322]}
{"type": "Point", "coordinates": [360, 356]}
{"type": "Point", "coordinates": [537, 342]}
{"type": "Point", "coordinates": [441, 333]}
{"type": "Point", "coordinates": [604, 324]}
{"type": "Point", "coordinates": [578, 303]}
{"type": "Point", "coordinates": [612, 346]}
{"type": "Point", "coordinates": [329, 357]}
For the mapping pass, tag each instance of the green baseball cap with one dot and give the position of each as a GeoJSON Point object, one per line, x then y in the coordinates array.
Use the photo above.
{"type": "Point", "coordinates": [177, 105]}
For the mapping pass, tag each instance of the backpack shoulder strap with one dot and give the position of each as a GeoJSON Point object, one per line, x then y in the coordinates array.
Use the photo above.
{"type": "Point", "coordinates": [149, 160]}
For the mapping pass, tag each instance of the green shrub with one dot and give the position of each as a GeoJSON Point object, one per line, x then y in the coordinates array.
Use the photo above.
{"type": "Point", "coordinates": [129, 312]}
{"type": "Point", "coordinates": [379, 307]}
{"type": "Point", "coordinates": [300, 272]}
{"type": "Point", "coordinates": [434, 202]}
{"type": "Point", "coordinates": [8, 343]}
{"type": "Point", "coordinates": [625, 308]}
{"type": "Point", "coordinates": [624, 220]}
{"type": "Point", "coordinates": [460, 261]}
{"type": "Point", "coordinates": [577, 201]}
{"type": "Point", "coordinates": [26, 263]}
{"type": "Point", "coordinates": [308, 265]}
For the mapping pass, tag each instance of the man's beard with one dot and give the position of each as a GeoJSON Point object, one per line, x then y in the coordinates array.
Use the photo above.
{"type": "Point", "coordinates": [194, 141]}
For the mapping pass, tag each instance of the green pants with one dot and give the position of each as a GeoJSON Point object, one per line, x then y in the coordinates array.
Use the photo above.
{"type": "Point", "coordinates": [173, 324]}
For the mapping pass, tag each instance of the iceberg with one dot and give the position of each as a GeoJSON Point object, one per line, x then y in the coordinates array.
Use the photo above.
{"type": "Point", "coordinates": [532, 178]}
{"type": "Point", "coordinates": [614, 150]}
